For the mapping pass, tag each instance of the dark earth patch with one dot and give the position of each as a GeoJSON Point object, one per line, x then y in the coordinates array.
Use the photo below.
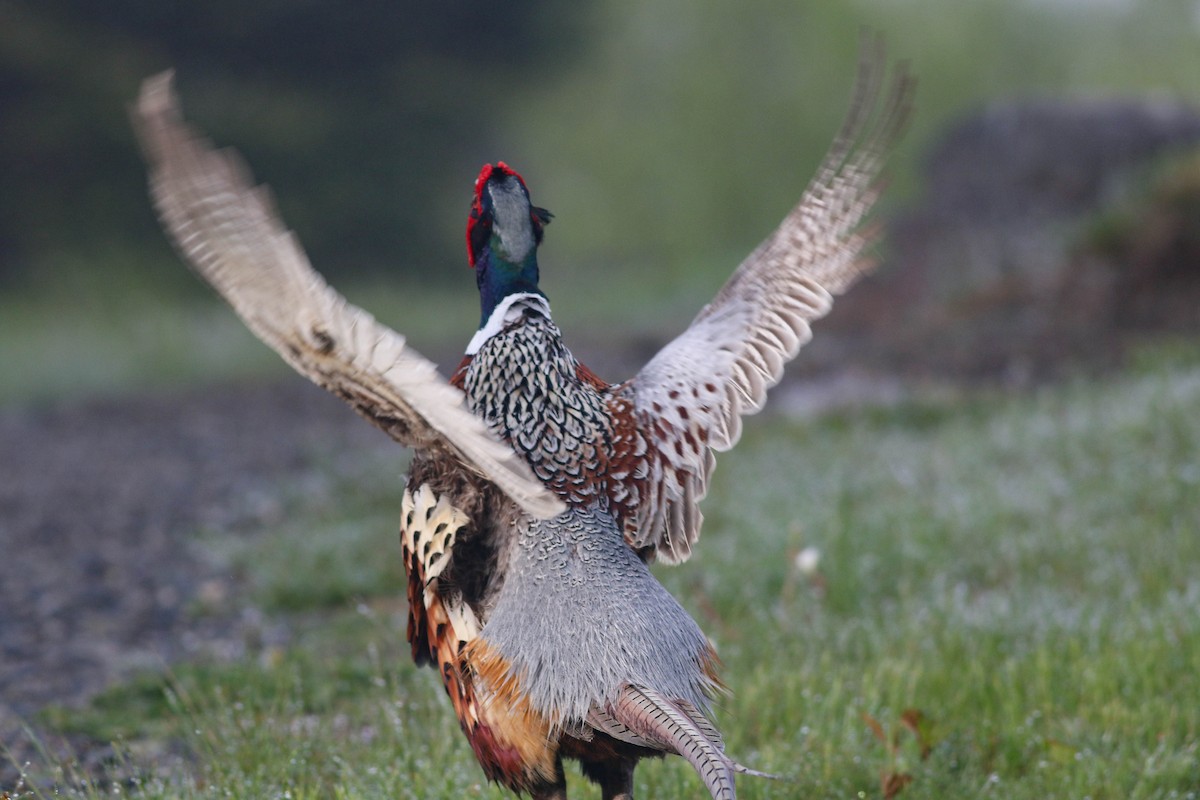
{"type": "Point", "coordinates": [103, 504]}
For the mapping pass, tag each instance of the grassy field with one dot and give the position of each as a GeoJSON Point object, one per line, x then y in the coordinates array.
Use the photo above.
{"type": "Point", "coordinates": [1005, 602]}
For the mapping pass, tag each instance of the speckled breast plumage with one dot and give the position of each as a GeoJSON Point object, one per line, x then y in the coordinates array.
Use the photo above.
{"type": "Point", "coordinates": [530, 391]}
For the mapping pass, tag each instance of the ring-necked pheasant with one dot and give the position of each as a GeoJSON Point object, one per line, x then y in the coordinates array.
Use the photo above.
{"type": "Point", "coordinates": [538, 492]}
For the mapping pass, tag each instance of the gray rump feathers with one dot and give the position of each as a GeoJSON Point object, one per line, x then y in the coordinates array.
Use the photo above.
{"type": "Point", "coordinates": [580, 616]}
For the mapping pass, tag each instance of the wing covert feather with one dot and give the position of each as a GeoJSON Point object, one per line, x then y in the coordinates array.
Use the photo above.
{"type": "Point", "coordinates": [229, 232]}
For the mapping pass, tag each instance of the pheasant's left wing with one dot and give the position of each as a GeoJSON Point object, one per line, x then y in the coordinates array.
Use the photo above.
{"type": "Point", "coordinates": [228, 230]}
{"type": "Point", "coordinates": [687, 402]}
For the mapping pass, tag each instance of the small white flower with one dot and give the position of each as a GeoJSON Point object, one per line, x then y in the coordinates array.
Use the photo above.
{"type": "Point", "coordinates": [807, 560]}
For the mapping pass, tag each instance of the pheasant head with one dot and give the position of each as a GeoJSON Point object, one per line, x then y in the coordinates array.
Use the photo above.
{"type": "Point", "coordinates": [503, 234]}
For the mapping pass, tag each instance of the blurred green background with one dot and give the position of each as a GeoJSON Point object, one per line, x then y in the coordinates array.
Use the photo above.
{"type": "Point", "coordinates": [668, 137]}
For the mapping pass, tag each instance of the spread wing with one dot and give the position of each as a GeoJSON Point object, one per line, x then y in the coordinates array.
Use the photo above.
{"type": "Point", "coordinates": [229, 232]}
{"type": "Point", "coordinates": [687, 402]}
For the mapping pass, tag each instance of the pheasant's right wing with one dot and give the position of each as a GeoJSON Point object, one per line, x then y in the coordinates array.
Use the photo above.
{"type": "Point", "coordinates": [229, 232]}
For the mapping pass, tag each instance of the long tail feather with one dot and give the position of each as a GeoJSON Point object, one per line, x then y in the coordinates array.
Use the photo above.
{"type": "Point", "coordinates": [644, 714]}
{"type": "Point", "coordinates": [646, 711]}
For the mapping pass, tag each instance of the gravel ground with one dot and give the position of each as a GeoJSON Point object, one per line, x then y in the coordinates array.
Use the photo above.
{"type": "Point", "coordinates": [101, 568]}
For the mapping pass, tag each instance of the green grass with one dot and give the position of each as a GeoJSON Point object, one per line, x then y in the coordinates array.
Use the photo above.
{"type": "Point", "coordinates": [1018, 570]}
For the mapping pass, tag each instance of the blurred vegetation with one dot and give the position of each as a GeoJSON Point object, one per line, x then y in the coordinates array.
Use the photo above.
{"type": "Point", "coordinates": [354, 109]}
{"type": "Point", "coordinates": [669, 133]}
{"type": "Point", "coordinates": [668, 137]}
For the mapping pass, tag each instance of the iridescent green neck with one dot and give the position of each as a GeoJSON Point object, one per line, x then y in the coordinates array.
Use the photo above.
{"type": "Point", "coordinates": [498, 278]}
